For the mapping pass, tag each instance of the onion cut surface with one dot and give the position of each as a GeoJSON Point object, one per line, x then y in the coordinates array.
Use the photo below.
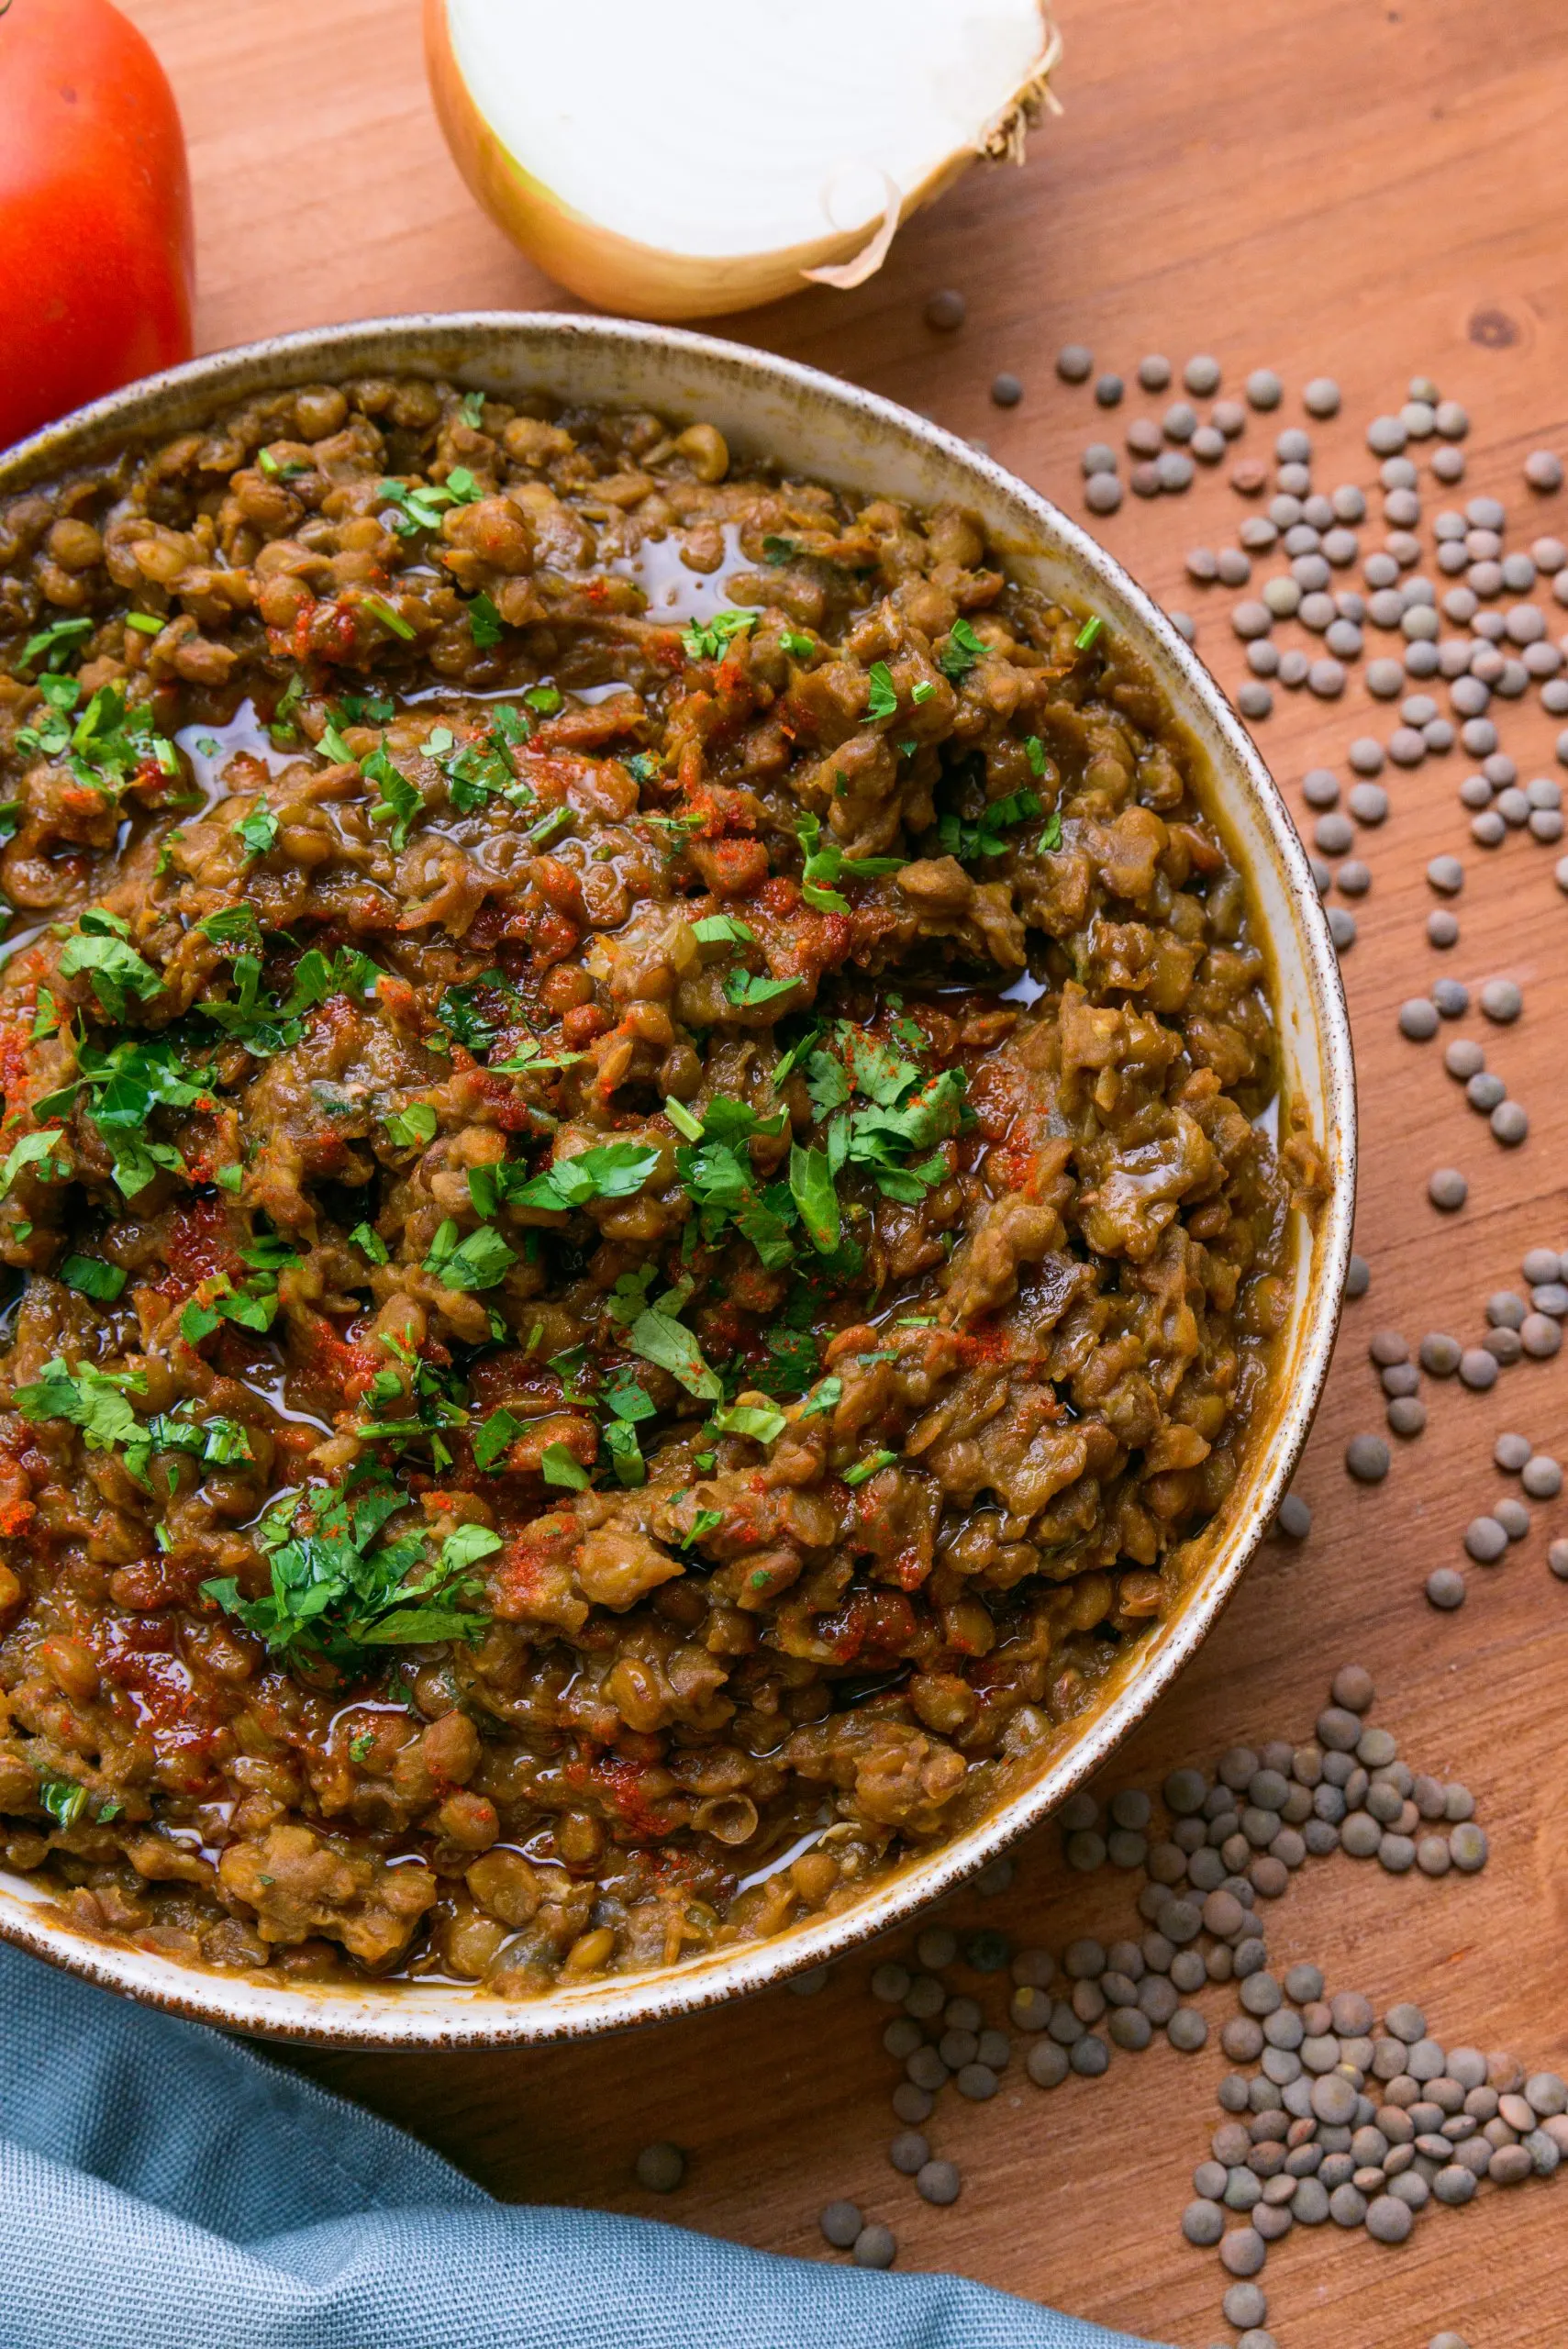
{"type": "Point", "coordinates": [676, 168]}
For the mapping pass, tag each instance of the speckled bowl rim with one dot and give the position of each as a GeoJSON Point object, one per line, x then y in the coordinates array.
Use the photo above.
{"type": "Point", "coordinates": [470, 347]}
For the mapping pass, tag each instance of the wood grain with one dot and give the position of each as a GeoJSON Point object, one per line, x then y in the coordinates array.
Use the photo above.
{"type": "Point", "coordinates": [1320, 185]}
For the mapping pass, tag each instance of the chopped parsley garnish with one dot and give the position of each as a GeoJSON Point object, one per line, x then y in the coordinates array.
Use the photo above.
{"type": "Point", "coordinates": [480, 1262]}
{"type": "Point", "coordinates": [62, 1800]}
{"type": "Point", "coordinates": [414, 1407]}
{"type": "Point", "coordinates": [55, 645]}
{"type": "Point", "coordinates": [124, 1085]}
{"type": "Point", "coordinates": [101, 948]}
{"type": "Point", "coordinates": [709, 640]}
{"type": "Point", "coordinates": [232, 926]}
{"type": "Point", "coordinates": [461, 1015]}
{"type": "Point", "coordinates": [961, 652]}
{"type": "Point", "coordinates": [718, 1175]}
{"type": "Point", "coordinates": [476, 772]}
{"type": "Point", "coordinates": [89, 1399]}
{"type": "Point", "coordinates": [760, 1423]}
{"type": "Point", "coordinates": [883, 696]}
{"type": "Point", "coordinates": [90, 1277]}
{"type": "Point", "coordinates": [35, 1150]}
{"type": "Point", "coordinates": [337, 1587]}
{"type": "Point", "coordinates": [411, 1128]}
{"type": "Point", "coordinates": [723, 929]}
{"type": "Point", "coordinates": [420, 505]}
{"type": "Point", "coordinates": [826, 866]}
{"type": "Point", "coordinates": [660, 1338]}
{"type": "Point", "coordinates": [970, 842]}
{"type": "Point", "coordinates": [494, 1440]}
{"type": "Point", "coordinates": [399, 802]}
{"type": "Point", "coordinates": [559, 1466]}
{"type": "Point", "coordinates": [107, 744]}
{"type": "Point", "coordinates": [613, 1170]}
{"type": "Point", "coordinates": [258, 830]}
{"type": "Point", "coordinates": [748, 989]}
{"type": "Point", "coordinates": [485, 622]}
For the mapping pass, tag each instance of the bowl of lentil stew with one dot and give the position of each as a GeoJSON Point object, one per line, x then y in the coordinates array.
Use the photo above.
{"type": "Point", "coordinates": [679, 1162]}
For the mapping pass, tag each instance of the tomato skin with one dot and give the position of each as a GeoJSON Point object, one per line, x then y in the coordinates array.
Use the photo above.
{"type": "Point", "coordinates": [98, 273]}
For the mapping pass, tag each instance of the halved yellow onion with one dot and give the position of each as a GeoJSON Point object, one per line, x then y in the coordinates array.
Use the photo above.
{"type": "Point", "coordinates": [672, 163]}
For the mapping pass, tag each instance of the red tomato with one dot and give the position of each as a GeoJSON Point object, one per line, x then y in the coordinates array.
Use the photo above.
{"type": "Point", "coordinates": [96, 260]}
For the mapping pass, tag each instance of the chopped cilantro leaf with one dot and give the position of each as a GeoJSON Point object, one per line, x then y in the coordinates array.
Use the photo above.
{"type": "Point", "coordinates": [777, 550]}
{"type": "Point", "coordinates": [116, 970]}
{"type": "Point", "coordinates": [661, 1340]}
{"type": "Point", "coordinates": [494, 1440]}
{"type": "Point", "coordinates": [477, 1263]}
{"type": "Point", "coordinates": [760, 1423]}
{"type": "Point", "coordinates": [56, 644]}
{"type": "Point", "coordinates": [798, 647]}
{"type": "Point", "coordinates": [34, 1149]}
{"type": "Point", "coordinates": [558, 1466]}
{"type": "Point", "coordinates": [963, 649]}
{"type": "Point", "coordinates": [337, 1587]}
{"type": "Point", "coordinates": [259, 831]}
{"type": "Point", "coordinates": [706, 1521]}
{"type": "Point", "coordinates": [420, 506]}
{"type": "Point", "coordinates": [969, 842]}
{"type": "Point", "coordinates": [746, 989]}
{"type": "Point", "coordinates": [625, 1453]}
{"type": "Point", "coordinates": [471, 408]}
{"type": "Point", "coordinates": [411, 1128]}
{"type": "Point", "coordinates": [232, 926]}
{"type": "Point", "coordinates": [369, 1242]}
{"type": "Point", "coordinates": [920, 693]}
{"type": "Point", "coordinates": [883, 696]}
{"type": "Point", "coordinates": [709, 640]}
{"type": "Point", "coordinates": [90, 1277]}
{"type": "Point", "coordinates": [1051, 838]}
{"type": "Point", "coordinates": [399, 803]}
{"type": "Point", "coordinates": [613, 1170]}
{"type": "Point", "coordinates": [826, 864]}
{"type": "Point", "coordinates": [485, 622]}
{"type": "Point", "coordinates": [718, 929]}
{"type": "Point", "coordinates": [88, 1398]}
{"type": "Point", "coordinates": [62, 1800]}
{"type": "Point", "coordinates": [811, 1189]}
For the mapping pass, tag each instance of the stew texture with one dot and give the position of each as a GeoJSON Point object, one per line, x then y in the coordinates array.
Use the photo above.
{"type": "Point", "coordinates": [638, 1180]}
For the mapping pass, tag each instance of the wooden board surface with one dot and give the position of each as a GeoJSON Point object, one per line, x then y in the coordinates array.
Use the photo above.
{"type": "Point", "coordinates": [1319, 185]}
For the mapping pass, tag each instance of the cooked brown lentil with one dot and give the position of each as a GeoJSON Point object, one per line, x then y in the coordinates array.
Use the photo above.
{"type": "Point", "coordinates": [478, 1497]}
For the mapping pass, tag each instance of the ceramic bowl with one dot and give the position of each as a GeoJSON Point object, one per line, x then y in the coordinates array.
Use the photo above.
{"type": "Point", "coordinates": [839, 433]}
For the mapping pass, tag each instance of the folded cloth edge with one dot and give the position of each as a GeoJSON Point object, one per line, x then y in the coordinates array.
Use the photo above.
{"type": "Point", "coordinates": [162, 2187]}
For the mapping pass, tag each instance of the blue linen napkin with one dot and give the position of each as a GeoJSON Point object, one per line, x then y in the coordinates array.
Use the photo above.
{"type": "Point", "coordinates": [164, 2187]}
